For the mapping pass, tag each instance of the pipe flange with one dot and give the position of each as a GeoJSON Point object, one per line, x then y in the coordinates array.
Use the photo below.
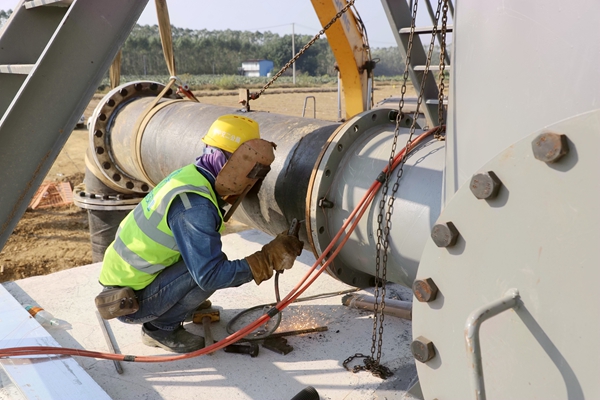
{"type": "Point", "coordinates": [323, 175]}
{"type": "Point", "coordinates": [102, 119]}
{"type": "Point", "coordinates": [103, 202]}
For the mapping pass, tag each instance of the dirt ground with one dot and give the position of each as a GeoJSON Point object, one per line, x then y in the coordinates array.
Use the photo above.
{"type": "Point", "coordinates": [50, 240]}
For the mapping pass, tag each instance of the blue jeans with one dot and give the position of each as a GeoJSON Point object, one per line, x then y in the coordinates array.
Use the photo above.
{"type": "Point", "coordinates": [169, 299]}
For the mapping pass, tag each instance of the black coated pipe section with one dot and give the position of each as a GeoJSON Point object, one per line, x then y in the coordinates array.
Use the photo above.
{"type": "Point", "coordinates": [103, 228]}
{"type": "Point", "coordinates": [173, 136]}
{"type": "Point", "coordinates": [103, 223]}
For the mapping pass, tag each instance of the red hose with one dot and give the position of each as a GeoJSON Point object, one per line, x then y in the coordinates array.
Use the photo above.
{"type": "Point", "coordinates": [358, 212]}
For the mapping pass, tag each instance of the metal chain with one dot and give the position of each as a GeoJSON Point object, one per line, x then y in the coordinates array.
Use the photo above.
{"type": "Point", "coordinates": [372, 363]}
{"type": "Point", "coordinates": [400, 116]}
{"type": "Point", "coordinates": [256, 95]}
{"type": "Point", "coordinates": [423, 80]}
{"type": "Point", "coordinates": [383, 234]}
{"type": "Point", "coordinates": [408, 147]}
{"type": "Point", "coordinates": [369, 365]}
{"type": "Point", "coordinates": [438, 134]}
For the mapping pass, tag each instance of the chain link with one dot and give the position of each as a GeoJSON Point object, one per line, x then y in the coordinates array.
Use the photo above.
{"type": "Point", "coordinates": [256, 95]}
{"type": "Point", "coordinates": [405, 75]}
{"type": "Point", "coordinates": [372, 362]}
{"type": "Point", "coordinates": [438, 134]}
{"type": "Point", "coordinates": [418, 107]}
{"type": "Point", "coordinates": [408, 147]}
{"type": "Point", "coordinates": [375, 368]}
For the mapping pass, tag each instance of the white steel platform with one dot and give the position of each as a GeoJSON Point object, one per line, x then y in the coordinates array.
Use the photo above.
{"type": "Point", "coordinates": [316, 359]}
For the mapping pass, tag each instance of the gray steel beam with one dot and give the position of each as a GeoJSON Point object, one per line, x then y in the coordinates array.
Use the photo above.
{"type": "Point", "coordinates": [52, 98]}
{"type": "Point", "coordinates": [438, 36]}
{"type": "Point", "coordinates": [399, 16]}
{"type": "Point", "coordinates": [22, 40]}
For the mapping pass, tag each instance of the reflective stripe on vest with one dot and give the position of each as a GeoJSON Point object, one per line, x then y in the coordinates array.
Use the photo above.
{"type": "Point", "coordinates": [145, 244]}
{"type": "Point", "coordinates": [134, 260]}
{"type": "Point", "coordinates": [150, 225]}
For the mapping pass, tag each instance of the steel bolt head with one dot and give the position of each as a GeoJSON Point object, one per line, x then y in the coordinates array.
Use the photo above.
{"type": "Point", "coordinates": [550, 147]}
{"type": "Point", "coordinates": [485, 185]}
{"type": "Point", "coordinates": [422, 349]}
{"type": "Point", "coordinates": [444, 235]}
{"type": "Point", "coordinates": [425, 290]}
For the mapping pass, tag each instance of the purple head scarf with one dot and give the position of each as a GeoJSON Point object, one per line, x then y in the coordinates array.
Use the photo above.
{"type": "Point", "coordinates": [212, 160]}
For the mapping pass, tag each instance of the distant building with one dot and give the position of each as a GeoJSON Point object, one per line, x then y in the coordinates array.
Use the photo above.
{"type": "Point", "coordinates": [256, 68]}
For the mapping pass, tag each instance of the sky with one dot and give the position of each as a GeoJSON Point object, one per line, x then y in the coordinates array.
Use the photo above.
{"type": "Point", "coordinates": [276, 16]}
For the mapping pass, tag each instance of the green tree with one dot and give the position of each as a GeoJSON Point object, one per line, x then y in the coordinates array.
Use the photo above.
{"type": "Point", "coordinates": [201, 52]}
{"type": "Point", "coordinates": [389, 61]}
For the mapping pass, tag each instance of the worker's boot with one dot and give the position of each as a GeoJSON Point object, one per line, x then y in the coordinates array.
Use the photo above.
{"type": "Point", "coordinates": [177, 341]}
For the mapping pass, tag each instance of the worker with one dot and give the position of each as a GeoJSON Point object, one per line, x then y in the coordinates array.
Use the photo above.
{"type": "Point", "coordinates": [169, 250]}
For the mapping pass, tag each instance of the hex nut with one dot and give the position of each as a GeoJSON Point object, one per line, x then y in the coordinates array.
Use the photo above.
{"type": "Point", "coordinates": [425, 290]}
{"type": "Point", "coordinates": [485, 185]}
{"type": "Point", "coordinates": [444, 235]}
{"type": "Point", "coordinates": [422, 349]}
{"type": "Point", "coordinates": [550, 147]}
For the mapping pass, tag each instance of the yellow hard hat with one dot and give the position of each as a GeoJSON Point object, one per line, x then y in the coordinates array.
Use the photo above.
{"type": "Point", "coordinates": [228, 132]}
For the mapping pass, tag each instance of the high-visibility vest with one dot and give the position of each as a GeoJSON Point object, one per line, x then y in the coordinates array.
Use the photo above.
{"type": "Point", "coordinates": [144, 244]}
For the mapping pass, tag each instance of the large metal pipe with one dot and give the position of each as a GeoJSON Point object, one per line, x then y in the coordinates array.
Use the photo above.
{"type": "Point", "coordinates": [171, 140]}
{"type": "Point", "coordinates": [314, 160]}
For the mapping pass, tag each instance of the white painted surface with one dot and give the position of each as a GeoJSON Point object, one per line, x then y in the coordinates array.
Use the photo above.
{"type": "Point", "coordinates": [316, 359]}
{"type": "Point", "coordinates": [42, 377]}
{"type": "Point", "coordinates": [22, 69]}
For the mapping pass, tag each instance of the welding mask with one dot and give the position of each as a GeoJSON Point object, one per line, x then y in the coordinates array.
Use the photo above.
{"type": "Point", "coordinates": [250, 162]}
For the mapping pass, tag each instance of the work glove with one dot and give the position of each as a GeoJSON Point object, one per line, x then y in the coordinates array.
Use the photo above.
{"type": "Point", "coordinates": [278, 254]}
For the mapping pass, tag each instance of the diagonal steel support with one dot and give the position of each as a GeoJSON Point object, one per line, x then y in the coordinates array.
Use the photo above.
{"type": "Point", "coordinates": [40, 118]}
{"type": "Point", "coordinates": [398, 13]}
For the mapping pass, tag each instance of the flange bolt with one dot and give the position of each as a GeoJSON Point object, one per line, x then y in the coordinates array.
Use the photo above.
{"type": "Point", "coordinates": [485, 185]}
{"type": "Point", "coordinates": [425, 290]}
{"type": "Point", "coordinates": [550, 147]}
{"type": "Point", "coordinates": [444, 235]}
{"type": "Point", "coordinates": [422, 349]}
{"type": "Point", "coordinates": [324, 203]}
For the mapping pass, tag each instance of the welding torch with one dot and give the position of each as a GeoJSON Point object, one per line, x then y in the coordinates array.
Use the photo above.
{"type": "Point", "coordinates": [293, 231]}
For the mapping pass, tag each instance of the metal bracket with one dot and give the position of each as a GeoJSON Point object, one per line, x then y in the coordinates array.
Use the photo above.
{"type": "Point", "coordinates": [314, 106]}
{"type": "Point", "coordinates": [474, 321]}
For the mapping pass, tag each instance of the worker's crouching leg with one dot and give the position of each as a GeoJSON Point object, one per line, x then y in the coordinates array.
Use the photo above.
{"type": "Point", "coordinates": [164, 305]}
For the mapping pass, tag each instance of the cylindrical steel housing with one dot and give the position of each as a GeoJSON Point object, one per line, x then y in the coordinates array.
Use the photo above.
{"type": "Point", "coordinates": [351, 162]}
